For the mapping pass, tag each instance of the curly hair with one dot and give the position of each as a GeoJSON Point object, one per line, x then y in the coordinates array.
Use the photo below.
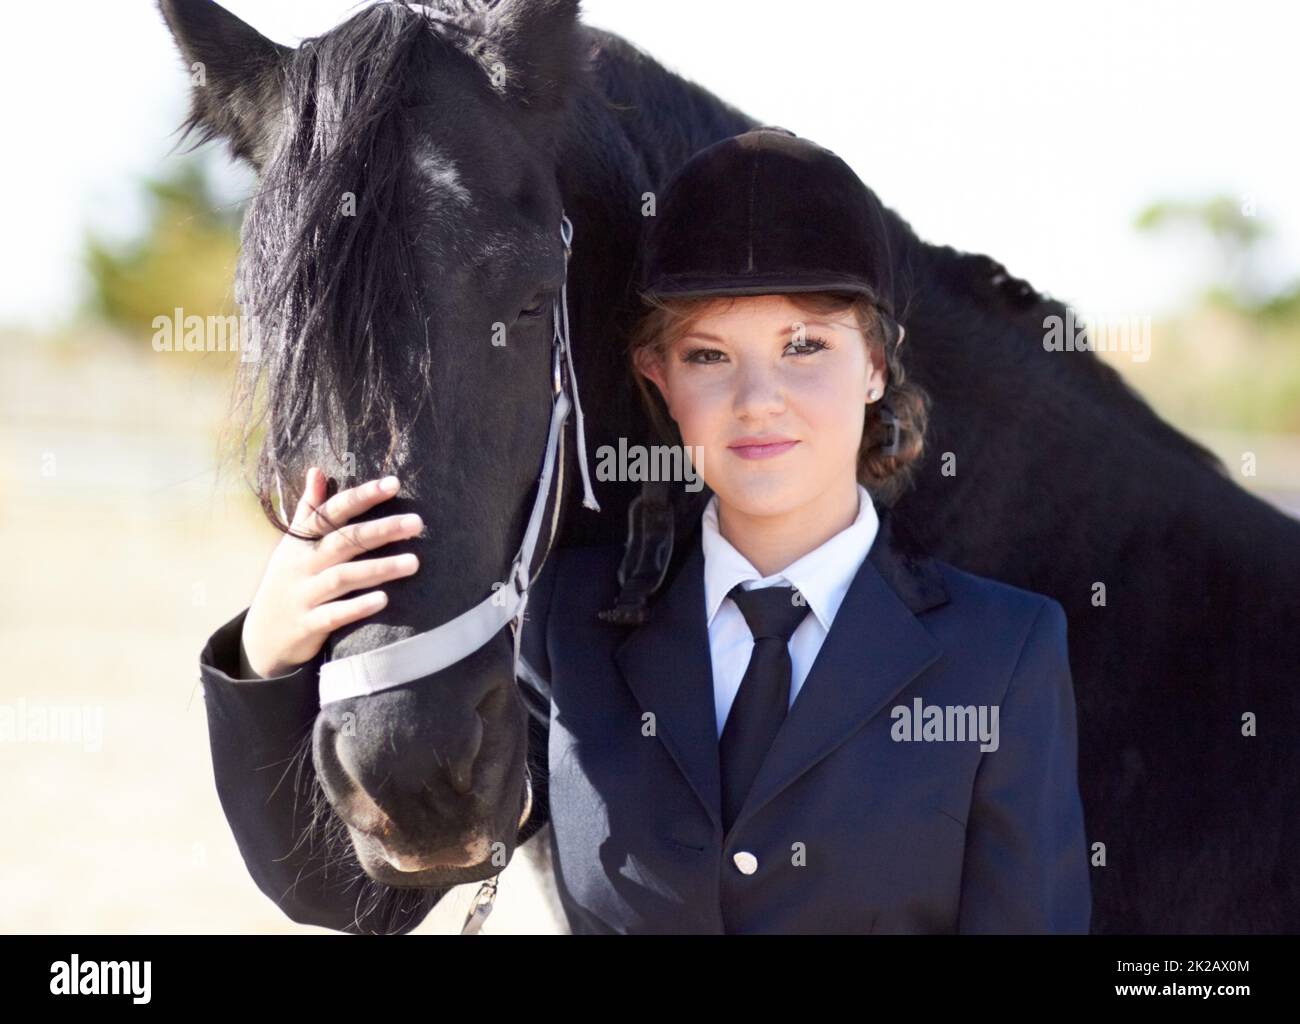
{"type": "Point", "coordinates": [885, 470]}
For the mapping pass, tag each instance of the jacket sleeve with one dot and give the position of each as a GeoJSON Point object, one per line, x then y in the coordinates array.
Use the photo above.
{"type": "Point", "coordinates": [1026, 864]}
{"type": "Point", "coordinates": [260, 735]}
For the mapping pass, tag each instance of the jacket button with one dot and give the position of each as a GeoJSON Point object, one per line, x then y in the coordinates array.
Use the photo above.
{"type": "Point", "coordinates": [745, 861]}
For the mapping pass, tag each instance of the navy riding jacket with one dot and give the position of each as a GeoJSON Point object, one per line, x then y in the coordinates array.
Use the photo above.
{"type": "Point", "coordinates": [881, 806]}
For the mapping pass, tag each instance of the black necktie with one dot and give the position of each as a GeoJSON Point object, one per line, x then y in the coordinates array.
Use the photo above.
{"type": "Point", "coordinates": [773, 614]}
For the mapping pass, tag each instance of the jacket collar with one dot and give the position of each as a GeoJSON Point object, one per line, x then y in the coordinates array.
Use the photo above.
{"type": "Point", "coordinates": [822, 575]}
{"type": "Point", "coordinates": [874, 648]}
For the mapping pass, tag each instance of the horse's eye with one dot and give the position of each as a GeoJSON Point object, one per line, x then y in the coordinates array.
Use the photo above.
{"type": "Point", "coordinates": [539, 307]}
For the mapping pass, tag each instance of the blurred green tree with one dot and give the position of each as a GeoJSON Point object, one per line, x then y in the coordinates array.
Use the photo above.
{"type": "Point", "coordinates": [184, 256]}
{"type": "Point", "coordinates": [1235, 231]}
{"type": "Point", "coordinates": [1237, 345]}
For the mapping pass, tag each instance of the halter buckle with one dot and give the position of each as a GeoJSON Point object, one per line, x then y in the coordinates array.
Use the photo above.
{"type": "Point", "coordinates": [566, 235]}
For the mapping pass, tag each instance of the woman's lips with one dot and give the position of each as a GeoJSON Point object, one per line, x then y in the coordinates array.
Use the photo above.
{"type": "Point", "coordinates": [763, 451]}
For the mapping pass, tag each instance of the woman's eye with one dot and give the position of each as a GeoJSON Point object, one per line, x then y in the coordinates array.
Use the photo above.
{"type": "Point", "coordinates": [814, 345]}
{"type": "Point", "coordinates": [807, 346]}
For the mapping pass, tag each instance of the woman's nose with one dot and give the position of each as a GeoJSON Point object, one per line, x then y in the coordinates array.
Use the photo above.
{"type": "Point", "coordinates": [759, 392]}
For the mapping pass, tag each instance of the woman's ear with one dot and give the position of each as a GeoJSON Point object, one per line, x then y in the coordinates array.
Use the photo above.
{"type": "Point", "coordinates": [877, 376]}
{"type": "Point", "coordinates": [650, 365]}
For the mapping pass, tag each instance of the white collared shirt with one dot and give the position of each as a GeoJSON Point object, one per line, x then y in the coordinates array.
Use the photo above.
{"type": "Point", "coordinates": [822, 575]}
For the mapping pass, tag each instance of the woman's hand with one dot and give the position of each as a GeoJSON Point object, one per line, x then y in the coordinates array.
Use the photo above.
{"type": "Point", "coordinates": [300, 600]}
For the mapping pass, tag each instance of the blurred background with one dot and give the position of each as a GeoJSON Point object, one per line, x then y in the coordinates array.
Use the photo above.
{"type": "Point", "coordinates": [1136, 160]}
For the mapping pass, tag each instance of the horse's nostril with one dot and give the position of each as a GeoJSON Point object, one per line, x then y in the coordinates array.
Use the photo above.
{"type": "Point", "coordinates": [341, 784]}
{"type": "Point", "coordinates": [460, 769]}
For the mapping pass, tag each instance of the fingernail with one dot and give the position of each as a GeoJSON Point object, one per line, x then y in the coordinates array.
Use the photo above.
{"type": "Point", "coordinates": [389, 483]}
{"type": "Point", "coordinates": [412, 522]}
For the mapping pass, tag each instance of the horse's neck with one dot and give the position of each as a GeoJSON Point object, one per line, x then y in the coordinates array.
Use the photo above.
{"type": "Point", "coordinates": [627, 133]}
{"type": "Point", "coordinates": [662, 117]}
{"type": "Point", "coordinates": [1038, 431]}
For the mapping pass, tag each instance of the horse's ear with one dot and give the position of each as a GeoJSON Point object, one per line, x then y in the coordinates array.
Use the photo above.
{"type": "Point", "coordinates": [534, 53]}
{"type": "Point", "coordinates": [234, 74]}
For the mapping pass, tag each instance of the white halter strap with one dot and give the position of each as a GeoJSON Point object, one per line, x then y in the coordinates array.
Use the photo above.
{"type": "Point", "coordinates": [428, 652]}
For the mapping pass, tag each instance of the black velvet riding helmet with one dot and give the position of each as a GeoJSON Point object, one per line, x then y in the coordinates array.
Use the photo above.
{"type": "Point", "coordinates": [767, 212]}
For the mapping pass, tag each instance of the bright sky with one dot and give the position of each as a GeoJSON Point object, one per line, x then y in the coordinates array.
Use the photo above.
{"type": "Point", "coordinates": [1032, 132]}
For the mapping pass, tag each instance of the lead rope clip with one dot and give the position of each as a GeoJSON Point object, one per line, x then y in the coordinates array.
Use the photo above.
{"type": "Point", "coordinates": [481, 907]}
{"type": "Point", "coordinates": [487, 892]}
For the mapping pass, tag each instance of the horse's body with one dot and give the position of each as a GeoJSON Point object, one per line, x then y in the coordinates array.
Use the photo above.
{"type": "Point", "coordinates": [1065, 478]}
{"type": "Point", "coordinates": [1043, 470]}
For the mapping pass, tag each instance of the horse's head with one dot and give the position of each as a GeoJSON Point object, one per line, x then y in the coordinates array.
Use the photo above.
{"type": "Point", "coordinates": [400, 262]}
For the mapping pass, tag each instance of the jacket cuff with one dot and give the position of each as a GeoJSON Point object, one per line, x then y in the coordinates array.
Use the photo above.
{"type": "Point", "coordinates": [268, 711]}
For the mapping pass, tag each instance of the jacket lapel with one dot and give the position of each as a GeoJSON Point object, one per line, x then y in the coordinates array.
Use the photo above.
{"type": "Point", "coordinates": [875, 647]}
{"type": "Point", "coordinates": [667, 663]}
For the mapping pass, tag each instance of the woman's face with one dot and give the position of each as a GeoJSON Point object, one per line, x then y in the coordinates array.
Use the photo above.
{"type": "Point", "coordinates": [760, 369]}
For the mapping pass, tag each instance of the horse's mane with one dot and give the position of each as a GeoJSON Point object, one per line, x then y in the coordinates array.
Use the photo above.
{"type": "Point", "coordinates": [964, 279]}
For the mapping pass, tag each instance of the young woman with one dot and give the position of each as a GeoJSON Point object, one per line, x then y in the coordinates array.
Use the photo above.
{"type": "Point", "coordinates": [815, 731]}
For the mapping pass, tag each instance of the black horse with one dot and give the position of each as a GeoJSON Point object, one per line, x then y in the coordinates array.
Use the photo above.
{"type": "Point", "coordinates": [459, 136]}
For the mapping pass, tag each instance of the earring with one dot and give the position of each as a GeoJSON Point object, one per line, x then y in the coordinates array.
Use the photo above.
{"type": "Point", "coordinates": [873, 394]}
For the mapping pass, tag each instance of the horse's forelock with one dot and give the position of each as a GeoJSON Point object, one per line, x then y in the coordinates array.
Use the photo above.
{"type": "Point", "coordinates": [325, 287]}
